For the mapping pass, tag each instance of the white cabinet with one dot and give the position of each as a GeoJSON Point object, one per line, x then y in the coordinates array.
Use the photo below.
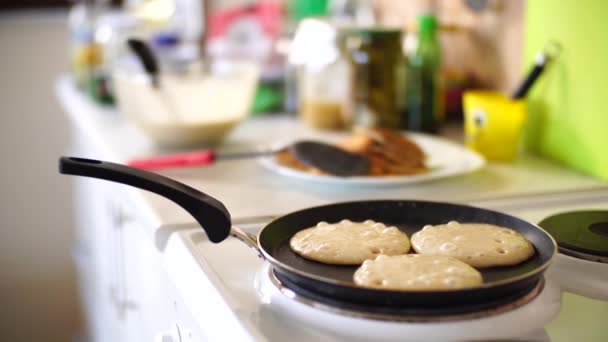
{"type": "Point", "coordinates": [99, 255]}
{"type": "Point", "coordinates": [126, 293]}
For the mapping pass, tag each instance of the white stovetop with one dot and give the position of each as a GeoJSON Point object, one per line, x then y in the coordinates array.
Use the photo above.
{"type": "Point", "coordinates": [232, 269]}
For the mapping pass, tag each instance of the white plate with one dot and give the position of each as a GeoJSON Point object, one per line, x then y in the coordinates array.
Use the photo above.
{"type": "Point", "coordinates": [444, 158]}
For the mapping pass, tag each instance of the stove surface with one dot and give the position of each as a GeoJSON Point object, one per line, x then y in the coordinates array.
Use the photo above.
{"type": "Point", "coordinates": [269, 314]}
{"type": "Point", "coordinates": [524, 321]}
{"type": "Point", "coordinates": [401, 313]}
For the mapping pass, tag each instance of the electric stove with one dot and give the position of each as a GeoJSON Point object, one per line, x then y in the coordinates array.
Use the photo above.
{"type": "Point", "coordinates": [570, 298]}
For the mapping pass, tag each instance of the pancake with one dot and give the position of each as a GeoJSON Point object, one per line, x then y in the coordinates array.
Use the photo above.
{"type": "Point", "coordinates": [477, 244]}
{"type": "Point", "coordinates": [416, 272]}
{"type": "Point", "coordinates": [349, 243]}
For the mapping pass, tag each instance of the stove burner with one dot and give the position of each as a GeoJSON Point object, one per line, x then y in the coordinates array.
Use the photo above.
{"type": "Point", "coordinates": [584, 256]}
{"type": "Point", "coordinates": [307, 297]}
{"type": "Point", "coordinates": [581, 234]}
{"type": "Point", "coordinates": [600, 228]}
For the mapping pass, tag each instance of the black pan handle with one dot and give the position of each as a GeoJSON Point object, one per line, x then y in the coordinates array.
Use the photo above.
{"type": "Point", "coordinates": [210, 213]}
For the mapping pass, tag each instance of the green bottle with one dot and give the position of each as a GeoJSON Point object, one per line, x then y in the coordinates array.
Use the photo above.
{"type": "Point", "coordinates": [424, 86]}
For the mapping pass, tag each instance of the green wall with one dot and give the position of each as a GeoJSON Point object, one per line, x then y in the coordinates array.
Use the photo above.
{"type": "Point", "coordinates": [568, 106]}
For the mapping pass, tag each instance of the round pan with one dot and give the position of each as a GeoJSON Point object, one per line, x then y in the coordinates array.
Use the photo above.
{"type": "Point", "coordinates": [409, 216]}
{"type": "Point", "coordinates": [332, 281]}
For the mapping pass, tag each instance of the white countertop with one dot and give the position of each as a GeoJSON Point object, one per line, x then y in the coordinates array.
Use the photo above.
{"type": "Point", "coordinates": [249, 190]}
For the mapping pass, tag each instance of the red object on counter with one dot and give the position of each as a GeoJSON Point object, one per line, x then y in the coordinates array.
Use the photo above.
{"type": "Point", "coordinates": [266, 13]}
{"type": "Point", "coordinates": [196, 158]}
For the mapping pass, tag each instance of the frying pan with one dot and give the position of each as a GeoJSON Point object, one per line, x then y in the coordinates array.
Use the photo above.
{"type": "Point", "coordinates": [501, 284]}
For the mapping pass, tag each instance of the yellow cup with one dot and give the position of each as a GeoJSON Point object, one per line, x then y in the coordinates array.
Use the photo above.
{"type": "Point", "coordinates": [493, 124]}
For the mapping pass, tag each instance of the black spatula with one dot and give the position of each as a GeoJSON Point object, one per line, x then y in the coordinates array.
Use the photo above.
{"type": "Point", "coordinates": [324, 157]}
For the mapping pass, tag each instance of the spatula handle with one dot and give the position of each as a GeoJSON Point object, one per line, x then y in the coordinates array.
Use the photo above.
{"type": "Point", "coordinates": [210, 213]}
{"type": "Point", "coordinates": [196, 158]}
{"type": "Point", "coordinates": [147, 58]}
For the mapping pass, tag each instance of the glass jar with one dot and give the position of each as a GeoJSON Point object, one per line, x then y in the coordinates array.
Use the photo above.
{"type": "Point", "coordinates": [378, 77]}
{"type": "Point", "coordinates": [323, 101]}
{"type": "Point", "coordinates": [112, 29]}
{"type": "Point", "coordinates": [323, 84]}
{"type": "Point", "coordinates": [84, 54]}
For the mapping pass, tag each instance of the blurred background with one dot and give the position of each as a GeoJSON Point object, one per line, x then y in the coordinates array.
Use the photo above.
{"type": "Point", "coordinates": [38, 289]}
{"type": "Point", "coordinates": [448, 45]}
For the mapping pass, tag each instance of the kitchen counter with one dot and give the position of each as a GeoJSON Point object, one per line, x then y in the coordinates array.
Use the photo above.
{"type": "Point", "coordinates": [240, 184]}
{"type": "Point", "coordinates": [217, 296]}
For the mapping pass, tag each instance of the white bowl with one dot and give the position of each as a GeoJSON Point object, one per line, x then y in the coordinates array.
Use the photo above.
{"type": "Point", "coordinates": [189, 109]}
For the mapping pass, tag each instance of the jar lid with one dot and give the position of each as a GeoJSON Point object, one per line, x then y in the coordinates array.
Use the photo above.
{"type": "Point", "coordinates": [582, 234]}
{"type": "Point", "coordinates": [165, 39]}
{"type": "Point", "coordinates": [376, 32]}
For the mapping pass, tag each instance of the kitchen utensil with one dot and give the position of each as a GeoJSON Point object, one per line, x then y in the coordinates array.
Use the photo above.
{"type": "Point", "coordinates": [501, 284]}
{"type": "Point", "coordinates": [325, 157]}
{"type": "Point", "coordinates": [550, 51]}
{"type": "Point", "coordinates": [152, 67]}
{"type": "Point", "coordinates": [147, 59]}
